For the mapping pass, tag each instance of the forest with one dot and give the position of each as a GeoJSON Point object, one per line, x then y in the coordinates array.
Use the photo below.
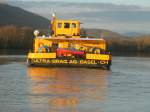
{"type": "Point", "coordinates": [16, 38]}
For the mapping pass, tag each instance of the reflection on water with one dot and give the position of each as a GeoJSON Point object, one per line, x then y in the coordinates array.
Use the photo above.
{"type": "Point", "coordinates": [63, 89]}
{"type": "Point", "coordinates": [125, 88]}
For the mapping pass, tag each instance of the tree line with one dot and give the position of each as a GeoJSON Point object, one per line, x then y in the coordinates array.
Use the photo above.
{"type": "Point", "coordinates": [12, 37]}
{"type": "Point", "coordinates": [132, 44]}
{"type": "Point", "coordinates": [15, 38]}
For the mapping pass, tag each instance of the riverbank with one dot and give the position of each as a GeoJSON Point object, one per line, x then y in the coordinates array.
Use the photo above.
{"type": "Point", "coordinates": [15, 38]}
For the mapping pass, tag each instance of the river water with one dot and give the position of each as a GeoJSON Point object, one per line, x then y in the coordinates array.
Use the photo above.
{"type": "Point", "coordinates": [126, 88]}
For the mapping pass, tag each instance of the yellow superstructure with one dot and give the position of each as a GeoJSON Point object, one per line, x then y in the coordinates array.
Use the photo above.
{"type": "Point", "coordinates": [65, 28]}
{"type": "Point", "coordinates": [66, 47]}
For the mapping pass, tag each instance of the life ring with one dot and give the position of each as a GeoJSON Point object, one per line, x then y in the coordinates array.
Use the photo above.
{"type": "Point", "coordinates": [43, 47]}
{"type": "Point", "coordinates": [95, 50]}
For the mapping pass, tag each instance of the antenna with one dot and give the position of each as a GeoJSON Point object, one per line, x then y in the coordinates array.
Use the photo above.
{"type": "Point", "coordinates": [53, 15]}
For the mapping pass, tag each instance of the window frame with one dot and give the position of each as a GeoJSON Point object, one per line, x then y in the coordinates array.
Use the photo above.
{"type": "Point", "coordinates": [66, 25]}
{"type": "Point", "coordinates": [73, 25]}
{"type": "Point", "coordinates": [60, 25]}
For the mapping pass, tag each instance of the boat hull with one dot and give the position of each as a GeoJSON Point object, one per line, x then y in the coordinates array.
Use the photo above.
{"type": "Point", "coordinates": [63, 62]}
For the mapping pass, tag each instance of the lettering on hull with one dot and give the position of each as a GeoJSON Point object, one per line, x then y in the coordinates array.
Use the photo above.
{"type": "Point", "coordinates": [70, 61]}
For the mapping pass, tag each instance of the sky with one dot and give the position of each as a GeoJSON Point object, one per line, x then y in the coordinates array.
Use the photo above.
{"type": "Point", "coordinates": [121, 16]}
{"type": "Point", "coordinates": [125, 2]}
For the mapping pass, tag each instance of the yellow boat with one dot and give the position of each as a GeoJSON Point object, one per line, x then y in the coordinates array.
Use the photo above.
{"type": "Point", "coordinates": [65, 47]}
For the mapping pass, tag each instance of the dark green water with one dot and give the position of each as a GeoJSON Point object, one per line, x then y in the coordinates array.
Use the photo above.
{"type": "Point", "coordinates": [126, 88]}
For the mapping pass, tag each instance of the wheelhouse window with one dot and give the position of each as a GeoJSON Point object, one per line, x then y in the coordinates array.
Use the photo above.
{"type": "Point", "coordinates": [66, 25]}
{"type": "Point", "coordinates": [59, 25]}
{"type": "Point", "coordinates": [73, 25]}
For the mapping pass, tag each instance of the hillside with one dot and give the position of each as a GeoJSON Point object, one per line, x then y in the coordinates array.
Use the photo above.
{"type": "Point", "coordinates": [10, 15]}
{"type": "Point", "coordinates": [97, 33]}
